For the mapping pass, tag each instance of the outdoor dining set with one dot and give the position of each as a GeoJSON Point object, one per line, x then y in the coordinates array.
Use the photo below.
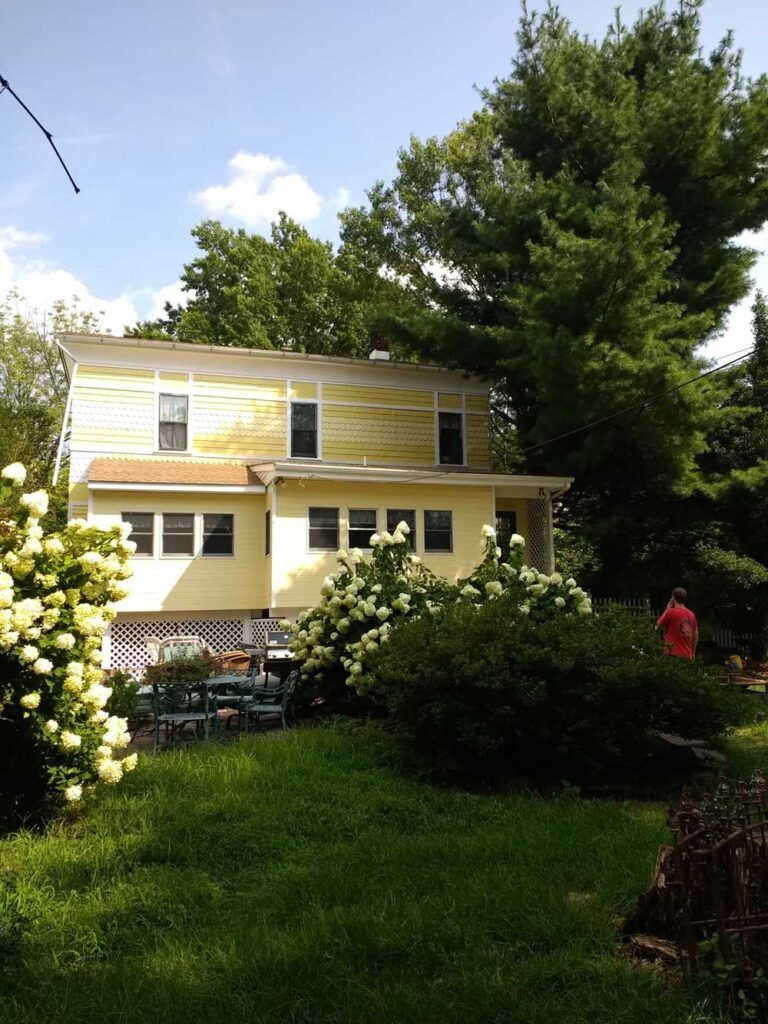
{"type": "Point", "coordinates": [253, 684]}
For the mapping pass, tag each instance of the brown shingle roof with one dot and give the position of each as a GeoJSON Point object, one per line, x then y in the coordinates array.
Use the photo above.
{"type": "Point", "coordinates": [171, 471]}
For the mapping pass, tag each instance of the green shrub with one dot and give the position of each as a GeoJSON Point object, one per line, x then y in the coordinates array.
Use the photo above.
{"type": "Point", "coordinates": [187, 669]}
{"type": "Point", "coordinates": [125, 694]}
{"type": "Point", "coordinates": [483, 690]}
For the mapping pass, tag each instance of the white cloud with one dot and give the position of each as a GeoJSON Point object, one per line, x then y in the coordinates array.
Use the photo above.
{"type": "Point", "coordinates": [261, 187]}
{"type": "Point", "coordinates": [41, 283]}
{"type": "Point", "coordinates": [172, 293]}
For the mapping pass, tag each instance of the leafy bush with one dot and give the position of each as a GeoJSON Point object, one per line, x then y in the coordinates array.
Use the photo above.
{"type": "Point", "coordinates": [57, 597]}
{"type": "Point", "coordinates": [187, 669]}
{"type": "Point", "coordinates": [125, 694]}
{"type": "Point", "coordinates": [364, 601]}
{"type": "Point", "coordinates": [485, 690]}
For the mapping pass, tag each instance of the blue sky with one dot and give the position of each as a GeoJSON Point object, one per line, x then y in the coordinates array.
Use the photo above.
{"type": "Point", "coordinates": [172, 110]}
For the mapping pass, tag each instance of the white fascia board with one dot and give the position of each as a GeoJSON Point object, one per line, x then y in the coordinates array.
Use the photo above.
{"type": "Point", "coordinates": [95, 485]}
{"type": "Point", "coordinates": [107, 350]}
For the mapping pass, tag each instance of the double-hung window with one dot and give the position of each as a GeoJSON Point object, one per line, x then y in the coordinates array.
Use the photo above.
{"type": "Point", "coordinates": [323, 529]}
{"type": "Point", "coordinates": [218, 535]}
{"type": "Point", "coordinates": [506, 525]}
{"type": "Point", "coordinates": [362, 523]}
{"type": "Point", "coordinates": [304, 430]}
{"type": "Point", "coordinates": [142, 532]}
{"type": "Point", "coordinates": [174, 419]}
{"type": "Point", "coordinates": [403, 515]}
{"type": "Point", "coordinates": [438, 531]}
{"type": "Point", "coordinates": [179, 533]}
{"type": "Point", "coordinates": [451, 438]}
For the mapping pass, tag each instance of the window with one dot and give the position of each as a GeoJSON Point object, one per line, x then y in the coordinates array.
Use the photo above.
{"type": "Point", "coordinates": [218, 535]}
{"type": "Point", "coordinates": [304, 430]}
{"type": "Point", "coordinates": [400, 515]}
{"type": "Point", "coordinates": [506, 525]}
{"type": "Point", "coordinates": [173, 422]}
{"type": "Point", "coordinates": [267, 532]}
{"type": "Point", "coordinates": [438, 531]}
{"type": "Point", "coordinates": [178, 534]}
{"type": "Point", "coordinates": [362, 523]}
{"type": "Point", "coordinates": [450, 426]}
{"type": "Point", "coordinates": [323, 529]}
{"type": "Point", "coordinates": [143, 532]}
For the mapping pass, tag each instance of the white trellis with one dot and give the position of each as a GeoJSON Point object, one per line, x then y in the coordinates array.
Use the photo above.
{"type": "Point", "coordinates": [127, 636]}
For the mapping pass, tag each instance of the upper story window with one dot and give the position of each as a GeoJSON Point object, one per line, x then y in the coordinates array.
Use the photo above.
{"type": "Point", "coordinates": [323, 529]}
{"type": "Point", "coordinates": [438, 531]}
{"type": "Point", "coordinates": [143, 531]}
{"type": "Point", "coordinates": [304, 430]}
{"type": "Point", "coordinates": [174, 419]}
{"type": "Point", "coordinates": [218, 534]}
{"type": "Point", "coordinates": [403, 515]}
{"type": "Point", "coordinates": [179, 533]}
{"type": "Point", "coordinates": [451, 438]}
{"type": "Point", "coordinates": [362, 524]}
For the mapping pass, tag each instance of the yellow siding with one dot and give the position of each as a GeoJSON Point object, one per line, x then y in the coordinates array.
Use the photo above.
{"type": "Point", "coordinates": [194, 584]}
{"type": "Point", "coordinates": [478, 442]}
{"type": "Point", "coordinates": [236, 416]}
{"type": "Point", "coordinates": [385, 436]}
{"type": "Point", "coordinates": [79, 511]}
{"type": "Point", "coordinates": [303, 390]}
{"type": "Point", "coordinates": [355, 393]}
{"type": "Point", "coordinates": [79, 493]}
{"type": "Point", "coordinates": [448, 401]}
{"type": "Point", "coordinates": [298, 573]}
{"type": "Point", "coordinates": [477, 403]}
{"type": "Point", "coordinates": [113, 409]}
{"type": "Point", "coordinates": [174, 378]}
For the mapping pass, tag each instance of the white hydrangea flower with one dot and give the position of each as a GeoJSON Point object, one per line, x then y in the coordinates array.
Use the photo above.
{"type": "Point", "coordinates": [516, 541]}
{"type": "Point", "coordinates": [42, 667]}
{"type": "Point", "coordinates": [130, 762]}
{"type": "Point", "coordinates": [73, 794]}
{"type": "Point", "coordinates": [15, 472]}
{"type": "Point", "coordinates": [29, 653]}
{"type": "Point", "coordinates": [383, 613]}
{"type": "Point", "coordinates": [560, 602]}
{"type": "Point", "coordinates": [403, 527]}
{"type": "Point", "coordinates": [524, 609]}
{"type": "Point", "coordinates": [398, 537]}
{"type": "Point", "coordinates": [493, 588]}
{"type": "Point", "coordinates": [469, 591]}
{"type": "Point", "coordinates": [110, 771]}
{"type": "Point", "coordinates": [64, 641]}
{"type": "Point", "coordinates": [488, 531]}
{"type": "Point", "coordinates": [374, 540]}
{"type": "Point", "coordinates": [70, 740]}
{"type": "Point", "coordinates": [36, 502]}
{"type": "Point", "coordinates": [385, 538]}
{"type": "Point", "coordinates": [570, 583]}
{"type": "Point", "coordinates": [30, 701]}
{"type": "Point", "coordinates": [51, 726]}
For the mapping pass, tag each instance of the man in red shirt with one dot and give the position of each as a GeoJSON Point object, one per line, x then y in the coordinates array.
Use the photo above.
{"type": "Point", "coordinates": [681, 631]}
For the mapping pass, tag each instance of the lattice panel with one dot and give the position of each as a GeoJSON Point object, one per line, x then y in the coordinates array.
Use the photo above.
{"type": "Point", "coordinates": [537, 551]}
{"type": "Point", "coordinates": [130, 651]}
{"type": "Point", "coordinates": [259, 629]}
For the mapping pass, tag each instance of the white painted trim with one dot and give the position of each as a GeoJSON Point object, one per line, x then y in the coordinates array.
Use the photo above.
{"type": "Point", "coordinates": [317, 402]}
{"type": "Point", "coordinates": [361, 508]}
{"type": "Point", "coordinates": [315, 551]}
{"type": "Point", "coordinates": [67, 412]}
{"type": "Point", "coordinates": [90, 505]}
{"type": "Point", "coordinates": [550, 535]}
{"type": "Point", "coordinates": [384, 405]}
{"type": "Point", "coordinates": [159, 392]}
{"type": "Point", "coordinates": [440, 476]}
{"type": "Point", "coordinates": [273, 547]}
{"type": "Point", "coordinates": [106, 647]}
{"type": "Point", "coordinates": [179, 488]}
{"type": "Point", "coordinates": [192, 457]}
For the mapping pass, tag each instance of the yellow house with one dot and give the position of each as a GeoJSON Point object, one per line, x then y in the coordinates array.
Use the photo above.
{"type": "Point", "coordinates": [242, 471]}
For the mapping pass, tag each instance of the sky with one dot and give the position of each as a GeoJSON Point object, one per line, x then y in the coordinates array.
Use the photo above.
{"type": "Point", "coordinates": [169, 111]}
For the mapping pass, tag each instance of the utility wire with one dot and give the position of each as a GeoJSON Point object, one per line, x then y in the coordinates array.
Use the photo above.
{"type": "Point", "coordinates": [638, 405]}
{"type": "Point", "coordinates": [5, 85]}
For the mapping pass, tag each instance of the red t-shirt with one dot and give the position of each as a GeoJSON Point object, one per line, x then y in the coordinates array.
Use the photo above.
{"type": "Point", "coordinates": [680, 630]}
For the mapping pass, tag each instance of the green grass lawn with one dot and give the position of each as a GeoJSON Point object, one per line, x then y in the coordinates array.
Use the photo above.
{"type": "Point", "coordinates": [295, 878]}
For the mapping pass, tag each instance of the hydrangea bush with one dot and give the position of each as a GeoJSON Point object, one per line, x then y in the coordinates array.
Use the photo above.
{"type": "Point", "coordinates": [57, 597]}
{"type": "Point", "coordinates": [366, 599]}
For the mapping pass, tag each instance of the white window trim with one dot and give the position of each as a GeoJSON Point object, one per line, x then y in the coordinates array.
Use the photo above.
{"type": "Point", "coordinates": [462, 413]}
{"type": "Point", "coordinates": [318, 404]}
{"type": "Point", "coordinates": [127, 512]}
{"type": "Point", "coordinates": [202, 535]}
{"type": "Point", "coordinates": [175, 391]}
{"type": "Point", "coordinates": [358, 508]}
{"type": "Point", "coordinates": [436, 551]}
{"type": "Point", "coordinates": [196, 537]}
{"type": "Point", "coordinates": [338, 531]}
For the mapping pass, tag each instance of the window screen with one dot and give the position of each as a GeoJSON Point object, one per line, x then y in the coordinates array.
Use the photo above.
{"type": "Point", "coordinates": [362, 523]}
{"type": "Point", "coordinates": [173, 422]}
{"type": "Point", "coordinates": [218, 534]}
{"type": "Point", "coordinates": [451, 438]}
{"type": "Point", "coordinates": [438, 531]}
{"type": "Point", "coordinates": [143, 532]}
{"type": "Point", "coordinates": [178, 533]}
{"type": "Point", "coordinates": [304, 430]}
{"type": "Point", "coordinates": [324, 529]}
{"type": "Point", "coordinates": [403, 515]}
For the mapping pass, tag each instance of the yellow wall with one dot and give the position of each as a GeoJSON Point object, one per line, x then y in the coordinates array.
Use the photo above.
{"type": "Point", "coordinates": [478, 442]}
{"type": "Point", "coordinates": [194, 584]}
{"type": "Point", "coordinates": [385, 436]}
{"type": "Point", "coordinates": [238, 416]}
{"type": "Point", "coordinates": [113, 410]}
{"type": "Point", "coordinates": [298, 573]}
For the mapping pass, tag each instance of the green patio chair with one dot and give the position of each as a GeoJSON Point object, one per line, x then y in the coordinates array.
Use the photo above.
{"type": "Point", "coordinates": [175, 705]}
{"type": "Point", "coordinates": [143, 709]}
{"type": "Point", "coordinates": [269, 700]}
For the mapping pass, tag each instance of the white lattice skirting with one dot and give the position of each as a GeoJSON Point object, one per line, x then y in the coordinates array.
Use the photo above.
{"type": "Point", "coordinates": [129, 650]}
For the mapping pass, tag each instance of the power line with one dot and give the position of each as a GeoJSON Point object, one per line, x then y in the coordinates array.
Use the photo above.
{"type": "Point", "coordinates": [638, 405]}
{"type": "Point", "coordinates": [5, 85]}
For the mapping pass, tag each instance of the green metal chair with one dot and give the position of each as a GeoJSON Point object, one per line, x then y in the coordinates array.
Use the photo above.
{"type": "Point", "coordinates": [269, 700]}
{"type": "Point", "coordinates": [175, 705]}
{"type": "Point", "coordinates": [143, 709]}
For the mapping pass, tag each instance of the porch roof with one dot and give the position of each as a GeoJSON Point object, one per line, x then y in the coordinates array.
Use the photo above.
{"type": "Point", "coordinates": [180, 474]}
